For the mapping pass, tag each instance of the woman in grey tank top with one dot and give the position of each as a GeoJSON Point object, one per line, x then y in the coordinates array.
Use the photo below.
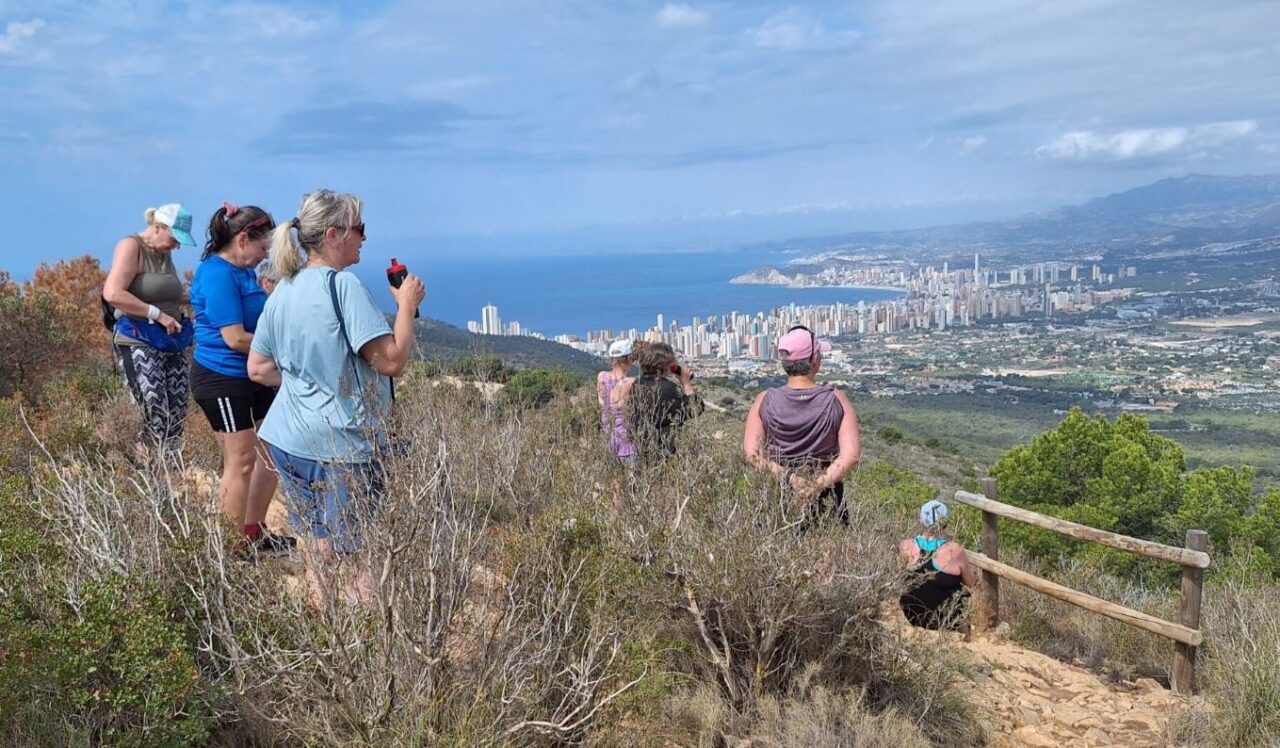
{"type": "Point", "coordinates": [143, 286]}
{"type": "Point", "coordinates": [804, 433]}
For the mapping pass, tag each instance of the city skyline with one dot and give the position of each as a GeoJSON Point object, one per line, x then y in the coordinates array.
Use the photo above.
{"type": "Point", "coordinates": [933, 299]}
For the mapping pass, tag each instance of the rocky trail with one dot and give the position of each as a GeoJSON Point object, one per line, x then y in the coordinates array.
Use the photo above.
{"type": "Point", "coordinates": [1035, 700]}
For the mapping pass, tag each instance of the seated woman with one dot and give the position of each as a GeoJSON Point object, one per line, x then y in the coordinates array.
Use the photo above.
{"type": "Point", "coordinates": [803, 432]}
{"type": "Point", "coordinates": [938, 573]}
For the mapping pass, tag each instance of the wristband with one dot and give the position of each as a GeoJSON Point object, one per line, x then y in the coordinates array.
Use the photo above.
{"type": "Point", "coordinates": [153, 313]}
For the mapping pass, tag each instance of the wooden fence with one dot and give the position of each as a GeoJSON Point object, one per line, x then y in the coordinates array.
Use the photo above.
{"type": "Point", "coordinates": [1185, 634]}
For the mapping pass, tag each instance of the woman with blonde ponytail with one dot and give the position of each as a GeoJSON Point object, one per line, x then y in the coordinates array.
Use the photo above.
{"type": "Point", "coordinates": [325, 343]}
{"type": "Point", "coordinates": [151, 334]}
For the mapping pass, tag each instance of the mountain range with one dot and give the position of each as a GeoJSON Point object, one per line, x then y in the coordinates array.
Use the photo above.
{"type": "Point", "coordinates": [1180, 212]}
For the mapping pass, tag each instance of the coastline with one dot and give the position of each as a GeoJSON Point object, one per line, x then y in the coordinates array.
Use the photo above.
{"type": "Point", "coordinates": [802, 286]}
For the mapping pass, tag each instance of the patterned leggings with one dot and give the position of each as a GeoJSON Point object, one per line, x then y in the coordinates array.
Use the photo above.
{"type": "Point", "coordinates": [158, 381]}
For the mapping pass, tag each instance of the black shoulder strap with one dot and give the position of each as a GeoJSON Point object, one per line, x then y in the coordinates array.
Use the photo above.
{"type": "Point", "coordinates": [342, 327]}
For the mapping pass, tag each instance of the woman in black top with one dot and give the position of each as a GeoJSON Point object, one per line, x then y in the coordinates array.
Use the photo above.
{"type": "Point", "coordinates": [656, 406]}
{"type": "Point", "coordinates": [939, 573]}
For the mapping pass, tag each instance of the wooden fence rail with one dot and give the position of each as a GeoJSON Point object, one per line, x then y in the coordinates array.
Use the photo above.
{"type": "Point", "coordinates": [1193, 559]}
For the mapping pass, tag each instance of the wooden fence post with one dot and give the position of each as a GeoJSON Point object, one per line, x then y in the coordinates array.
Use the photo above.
{"type": "Point", "coordinates": [991, 549]}
{"type": "Point", "coordinates": [1184, 656]}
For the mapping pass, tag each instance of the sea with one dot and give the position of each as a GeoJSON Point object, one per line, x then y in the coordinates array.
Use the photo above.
{"type": "Point", "coordinates": [572, 295]}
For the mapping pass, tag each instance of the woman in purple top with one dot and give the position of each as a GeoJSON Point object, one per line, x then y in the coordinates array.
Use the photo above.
{"type": "Point", "coordinates": [611, 388]}
{"type": "Point", "coordinates": [804, 433]}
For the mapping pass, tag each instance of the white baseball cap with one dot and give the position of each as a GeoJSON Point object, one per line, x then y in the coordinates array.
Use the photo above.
{"type": "Point", "coordinates": [933, 512]}
{"type": "Point", "coordinates": [620, 348]}
{"type": "Point", "coordinates": [178, 219]}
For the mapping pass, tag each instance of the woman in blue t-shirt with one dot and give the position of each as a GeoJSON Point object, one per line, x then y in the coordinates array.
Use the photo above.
{"type": "Point", "coordinates": [227, 300]}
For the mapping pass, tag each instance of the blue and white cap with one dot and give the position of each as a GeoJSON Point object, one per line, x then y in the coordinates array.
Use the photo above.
{"type": "Point", "coordinates": [178, 219]}
{"type": "Point", "coordinates": [933, 512]}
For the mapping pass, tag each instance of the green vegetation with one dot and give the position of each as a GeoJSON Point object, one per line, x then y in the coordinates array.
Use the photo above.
{"type": "Point", "coordinates": [1119, 476]}
{"type": "Point", "coordinates": [983, 426]}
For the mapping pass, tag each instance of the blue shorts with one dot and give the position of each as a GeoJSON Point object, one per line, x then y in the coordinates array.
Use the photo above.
{"type": "Point", "coordinates": [329, 500]}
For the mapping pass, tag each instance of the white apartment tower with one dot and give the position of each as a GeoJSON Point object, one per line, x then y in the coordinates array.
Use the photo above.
{"type": "Point", "coordinates": [490, 324]}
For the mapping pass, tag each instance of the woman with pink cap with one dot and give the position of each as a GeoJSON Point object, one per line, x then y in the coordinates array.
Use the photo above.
{"type": "Point", "coordinates": [803, 432]}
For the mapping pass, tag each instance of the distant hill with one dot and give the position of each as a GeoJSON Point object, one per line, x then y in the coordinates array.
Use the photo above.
{"type": "Point", "coordinates": [1172, 213]}
{"type": "Point", "coordinates": [442, 341]}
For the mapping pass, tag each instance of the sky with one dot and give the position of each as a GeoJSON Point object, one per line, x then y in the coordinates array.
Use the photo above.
{"type": "Point", "coordinates": [511, 126]}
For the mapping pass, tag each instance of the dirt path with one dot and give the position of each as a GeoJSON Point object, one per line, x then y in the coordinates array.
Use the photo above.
{"type": "Point", "coordinates": [1035, 700]}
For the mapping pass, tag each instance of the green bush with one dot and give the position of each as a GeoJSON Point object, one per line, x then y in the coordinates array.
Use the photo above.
{"type": "Point", "coordinates": [110, 662]}
{"type": "Point", "coordinates": [537, 387]}
{"type": "Point", "coordinates": [485, 368]}
{"type": "Point", "coordinates": [1119, 476]}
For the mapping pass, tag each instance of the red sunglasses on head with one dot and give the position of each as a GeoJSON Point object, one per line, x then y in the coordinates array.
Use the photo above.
{"type": "Point", "coordinates": [258, 222]}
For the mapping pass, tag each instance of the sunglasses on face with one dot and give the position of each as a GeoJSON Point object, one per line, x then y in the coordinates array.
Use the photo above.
{"type": "Point", "coordinates": [357, 228]}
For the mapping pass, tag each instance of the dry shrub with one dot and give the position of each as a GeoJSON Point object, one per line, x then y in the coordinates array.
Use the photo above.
{"type": "Point", "coordinates": [465, 641]}
{"type": "Point", "coordinates": [1238, 668]}
{"type": "Point", "coordinates": [510, 607]}
{"type": "Point", "coordinates": [771, 599]}
{"type": "Point", "coordinates": [812, 716]}
{"type": "Point", "coordinates": [1064, 631]}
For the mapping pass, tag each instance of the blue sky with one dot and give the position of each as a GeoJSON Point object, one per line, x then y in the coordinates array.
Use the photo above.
{"type": "Point", "coordinates": [581, 125]}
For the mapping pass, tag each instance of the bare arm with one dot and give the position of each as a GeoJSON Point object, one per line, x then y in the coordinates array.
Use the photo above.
{"type": "Point", "coordinates": [115, 289]}
{"type": "Point", "coordinates": [600, 388]}
{"type": "Point", "coordinates": [124, 268]}
{"type": "Point", "coordinates": [850, 446]}
{"type": "Point", "coordinates": [263, 369]}
{"type": "Point", "coordinates": [389, 354]}
{"type": "Point", "coordinates": [236, 338]}
{"type": "Point", "coordinates": [967, 577]}
{"type": "Point", "coordinates": [753, 442]}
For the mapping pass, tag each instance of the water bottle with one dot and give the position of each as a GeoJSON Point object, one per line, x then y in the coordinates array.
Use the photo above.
{"type": "Point", "coordinates": [396, 274]}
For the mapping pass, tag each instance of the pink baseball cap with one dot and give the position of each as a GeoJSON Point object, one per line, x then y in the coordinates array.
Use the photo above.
{"type": "Point", "coordinates": [797, 345]}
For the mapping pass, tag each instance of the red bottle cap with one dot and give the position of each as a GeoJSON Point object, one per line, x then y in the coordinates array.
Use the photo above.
{"type": "Point", "coordinates": [396, 267]}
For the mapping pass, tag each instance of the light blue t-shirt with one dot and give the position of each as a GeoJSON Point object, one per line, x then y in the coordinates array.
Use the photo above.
{"type": "Point", "coordinates": [324, 411]}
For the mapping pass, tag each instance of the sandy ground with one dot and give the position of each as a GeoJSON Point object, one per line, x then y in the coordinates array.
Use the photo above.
{"type": "Point", "coordinates": [1035, 700]}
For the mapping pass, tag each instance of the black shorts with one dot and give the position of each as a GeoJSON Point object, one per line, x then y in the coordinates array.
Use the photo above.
{"type": "Point", "coordinates": [231, 404]}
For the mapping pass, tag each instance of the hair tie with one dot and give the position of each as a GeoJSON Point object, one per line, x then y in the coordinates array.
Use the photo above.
{"type": "Point", "coordinates": [296, 224]}
{"type": "Point", "coordinates": [230, 209]}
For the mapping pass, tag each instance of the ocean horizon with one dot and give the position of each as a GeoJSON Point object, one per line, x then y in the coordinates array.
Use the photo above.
{"type": "Point", "coordinates": [574, 294]}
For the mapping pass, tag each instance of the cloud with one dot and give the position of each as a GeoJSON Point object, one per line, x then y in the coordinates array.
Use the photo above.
{"type": "Point", "coordinates": [971, 144]}
{"type": "Point", "coordinates": [1149, 143]}
{"type": "Point", "coordinates": [794, 29]}
{"type": "Point", "coordinates": [365, 127]}
{"type": "Point", "coordinates": [16, 32]}
{"type": "Point", "coordinates": [733, 153]}
{"type": "Point", "coordinates": [681, 16]}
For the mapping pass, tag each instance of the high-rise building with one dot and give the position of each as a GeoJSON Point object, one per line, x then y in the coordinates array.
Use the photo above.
{"type": "Point", "coordinates": [490, 324]}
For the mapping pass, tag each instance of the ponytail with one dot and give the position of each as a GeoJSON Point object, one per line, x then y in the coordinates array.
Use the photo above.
{"type": "Point", "coordinates": [230, 220]}
{"type": "Point", "coordinates": [286, 254]}
{"type": "Point", "coordinates": [149, 215]}
{"type": "Point", "coordinates": [319, 211]}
